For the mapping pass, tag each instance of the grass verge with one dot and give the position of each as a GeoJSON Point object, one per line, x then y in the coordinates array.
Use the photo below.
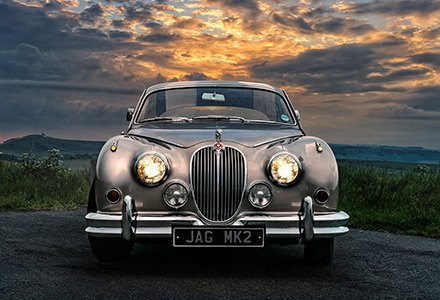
{"type": "Point", "coordinates": [403, 203]}
{"type": "Point", "coordinates": [58, 189]}
{"type": "Point", "coordinates": [375, 199]}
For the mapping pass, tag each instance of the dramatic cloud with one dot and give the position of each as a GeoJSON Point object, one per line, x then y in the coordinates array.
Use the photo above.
{"type": "Point", "coordinates": [360, 71]}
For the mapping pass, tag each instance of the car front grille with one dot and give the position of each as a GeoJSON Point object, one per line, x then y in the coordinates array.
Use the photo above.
{"type": "Point", "coordinates": [218, 179]}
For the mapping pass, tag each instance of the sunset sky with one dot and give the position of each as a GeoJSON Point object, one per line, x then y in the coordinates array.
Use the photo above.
{"type": "Point", "coordinates": [360, 72]}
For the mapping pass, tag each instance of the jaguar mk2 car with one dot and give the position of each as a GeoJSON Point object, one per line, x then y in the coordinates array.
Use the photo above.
{"type": "Point", "coordinates": [214, 164]}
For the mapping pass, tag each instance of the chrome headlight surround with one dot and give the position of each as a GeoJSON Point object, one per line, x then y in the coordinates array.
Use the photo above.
{"type": "Point", "coordinates": [289, 174]}
{"type": "Point", "coordinates": [151, 168]}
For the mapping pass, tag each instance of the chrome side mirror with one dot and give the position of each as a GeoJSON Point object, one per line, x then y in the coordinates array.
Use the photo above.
{"type": "Point", "coordinates": [297, 115]}
{"type": "Point", "coordinates": [130, 112]}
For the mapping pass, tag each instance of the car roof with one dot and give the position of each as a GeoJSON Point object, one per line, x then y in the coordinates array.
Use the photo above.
{"type": "Point", "coordinates": [206, 83]}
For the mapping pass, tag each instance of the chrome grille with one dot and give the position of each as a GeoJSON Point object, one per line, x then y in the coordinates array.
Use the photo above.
{"type": "Point", "coordinates": [218, 180]}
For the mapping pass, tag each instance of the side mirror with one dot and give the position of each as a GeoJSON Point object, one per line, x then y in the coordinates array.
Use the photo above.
{"type": "Point", "coordinates": [130, 112]}
{"type": "Point", "coordinates": [297, 115]}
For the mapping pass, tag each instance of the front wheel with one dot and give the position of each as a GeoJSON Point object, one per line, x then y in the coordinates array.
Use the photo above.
{"type": "Point", "coordinates": [110, 249]}
{"type": "Point", "coordinates": [319, 251]}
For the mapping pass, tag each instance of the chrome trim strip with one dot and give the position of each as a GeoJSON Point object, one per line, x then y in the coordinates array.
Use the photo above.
{"type": "Point", "coordinates": [153, 139]}
{"type": "Point", "coordinates": [103, 231]}
{"type": "Point", "coordinates": [214, 84]}
{"type": "Point", "coordinates": [338, 217]}
{"type": "Point", "coordinates": [320, 232]}
{"type": "Point", "coordinates": [274, 140]}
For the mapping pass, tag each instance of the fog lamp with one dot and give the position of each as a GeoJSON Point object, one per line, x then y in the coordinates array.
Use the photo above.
{"type": "Point", "coordinates": [284, 169]}
{"type": "Point", "coordinates": [260, 195]}
{"type": "Point", "coordinates": [175, 195]}
{"type": "Point", "coordinates": [151, 168]}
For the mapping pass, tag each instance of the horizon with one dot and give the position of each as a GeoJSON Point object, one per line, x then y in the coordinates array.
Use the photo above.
{"type": "Point", "coordinates": [360, 72]}
{"type": "Point", "coordinates": [330, 143]}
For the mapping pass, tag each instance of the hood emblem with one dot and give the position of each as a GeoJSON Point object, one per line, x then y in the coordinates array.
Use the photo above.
{"type": "Point", "coordinates": [218, 136]}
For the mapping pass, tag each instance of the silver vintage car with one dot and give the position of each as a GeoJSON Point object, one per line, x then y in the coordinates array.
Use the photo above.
{"type": "Point", "coordinates": [214, 164]}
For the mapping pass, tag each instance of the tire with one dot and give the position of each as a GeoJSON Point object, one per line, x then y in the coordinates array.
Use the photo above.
{"type": "Point", "coordinates": [110, 249]}
{"type": "Point", "coordinates": [319, 251]}
{"type": "Point", "coordinates": [91, 205]}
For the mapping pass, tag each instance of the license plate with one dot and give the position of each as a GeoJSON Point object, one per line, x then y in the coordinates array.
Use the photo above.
{"type": "Point", "coordinates": [218, 237]}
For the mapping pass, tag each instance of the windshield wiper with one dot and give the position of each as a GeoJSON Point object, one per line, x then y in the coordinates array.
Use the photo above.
{"type": "Point", "coordinates": [220, 118]}
{"type": "Point", "coordinates": [171, 119]}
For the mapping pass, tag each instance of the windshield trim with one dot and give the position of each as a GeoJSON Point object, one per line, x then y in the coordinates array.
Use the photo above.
{"type": "Point", "coordinates": [280, 93]}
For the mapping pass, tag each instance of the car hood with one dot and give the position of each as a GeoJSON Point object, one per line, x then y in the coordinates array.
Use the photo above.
{"type": "Point", "coordinates": [187, 135]}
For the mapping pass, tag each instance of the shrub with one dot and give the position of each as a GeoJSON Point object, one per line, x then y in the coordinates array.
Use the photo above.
{"type": "Point", "coordinates": [41, 184]}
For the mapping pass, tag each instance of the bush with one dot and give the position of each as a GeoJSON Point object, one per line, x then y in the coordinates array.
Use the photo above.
{"type": "Point", "coordinates": [41, 184]}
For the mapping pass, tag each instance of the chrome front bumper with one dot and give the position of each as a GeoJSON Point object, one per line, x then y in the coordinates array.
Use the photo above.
{"type": "Point", "coordinates": [130, 225]}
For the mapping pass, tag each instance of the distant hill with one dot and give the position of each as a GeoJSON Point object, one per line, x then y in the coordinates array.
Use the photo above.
{"type": "Point", "coordinates": [40, 144]}
{"type": "Point", "coordinates": [75, 149]}
{"type": "Point", "coordinates": [386, 153]}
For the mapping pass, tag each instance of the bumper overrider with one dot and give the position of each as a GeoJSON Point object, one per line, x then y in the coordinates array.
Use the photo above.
{"type": "Point", "coordinates": [130, 225]}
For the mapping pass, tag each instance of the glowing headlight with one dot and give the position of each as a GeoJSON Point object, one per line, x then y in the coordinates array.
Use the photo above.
{"type": "Point", "coordinates": [260, 195]}
{"type": "Point", "coordinates": [151, 168]}
{"type": "Point", "coordinates": [284, 169]}
{"type": "Point", "coordinates": [175, 195]}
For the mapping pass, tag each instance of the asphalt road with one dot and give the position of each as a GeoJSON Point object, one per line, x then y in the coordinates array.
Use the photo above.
{"type": "Point", "coordinates": [45, 255]}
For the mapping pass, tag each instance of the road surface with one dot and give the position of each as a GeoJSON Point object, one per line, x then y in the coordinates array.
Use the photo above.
{"type": "Point", "coordinates": [45, 255]}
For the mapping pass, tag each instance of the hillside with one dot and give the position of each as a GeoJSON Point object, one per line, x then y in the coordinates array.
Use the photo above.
{"type": "Point", "coordinates": [75, 149]}
{"type": "Point", "coordinates": [40, 144]}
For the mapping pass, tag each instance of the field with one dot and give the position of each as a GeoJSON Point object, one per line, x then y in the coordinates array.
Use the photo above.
{"type": "Point", "coordinates": [395, 197]}
{"type": "Point", "coordinates": [23, 189]}
{"type": "Point", "coordinates": [389, 200]}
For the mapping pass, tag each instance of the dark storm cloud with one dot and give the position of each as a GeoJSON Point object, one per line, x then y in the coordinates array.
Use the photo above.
{"type": "Point", "coordinates": [405, 112]}
{"type": "Point", "coordinates": [160, 37]}
{"type": "Point", "coordinates": [160, 58]}
{"type": "Point", "coordinates": [195, 76]}
{"type": "Point", "coordinates": [27, 62]}
{"type": "Point", "coordinates": [117, 34]}
{"type": "Point", "coordinates": [92, 14]}
{"type": "Point", "coordinates": [431, 34]}
{"type": "Point", "coordinates": [334, 25]}
{"type": "Point", "coordinates": [32, 25]}
{"type": "Point", "coordinates": [425, 98]}
{"type": "Point", "coordinates": [292, 21]}
{"type": "Point", "coordinates": [46, 31]}
{"type": "Point", "coordinates": [339, 69]}
{"type": "Point", "coordinates": [11, 85]}
{"type": "Point", "coordinates": [322, 24]}
{"type": "Point", "coordinates": [47, 112]}
{"type": "Point", "coordinates": [393, 7]}
{"type": "Point", "coordinates": [251, 6]}
{"type": "Point", "coordinates": [427, 58]}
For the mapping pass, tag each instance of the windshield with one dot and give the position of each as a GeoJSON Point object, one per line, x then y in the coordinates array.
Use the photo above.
{"type": "Point", "coordinates": [217, 102]}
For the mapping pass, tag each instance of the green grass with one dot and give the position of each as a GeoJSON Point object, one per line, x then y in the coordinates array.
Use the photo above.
{"type": "Point", "coordinates": [405, 202]}
{"type": "Point", "coordinates": [21, 190]}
